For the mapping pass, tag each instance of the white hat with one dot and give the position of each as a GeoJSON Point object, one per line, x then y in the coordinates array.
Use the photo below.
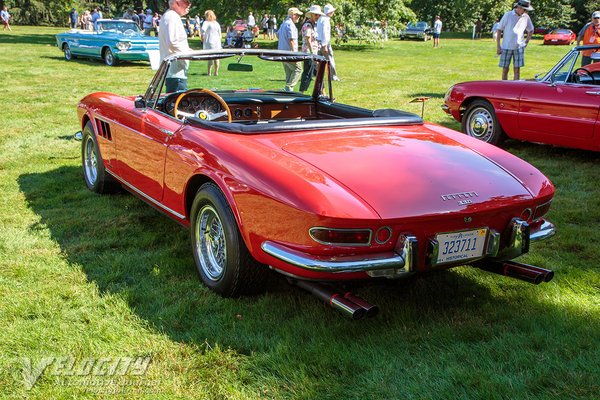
{"type": "Point", "coordinates": [524, 4]}
{"type": "Point", "coordinates": [148, 11]}
{"type": "Point", "coordinates": [315, 9]}
{"type": "Point", "coordinates": [596, 14]}
{"type": "Point", "coordinates": [294, 10]}
{"type": "Point", "coordinates": [328, 9]}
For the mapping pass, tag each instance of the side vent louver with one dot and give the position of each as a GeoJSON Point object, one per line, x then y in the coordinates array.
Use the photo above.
{"type": "Point", "coordinates": [103, 129]}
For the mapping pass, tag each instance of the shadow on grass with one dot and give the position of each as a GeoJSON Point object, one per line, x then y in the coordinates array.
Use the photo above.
{"type": "Point", "coordinates": [29, 39]}
{"type": "Point", "coordinates": [292, 342]}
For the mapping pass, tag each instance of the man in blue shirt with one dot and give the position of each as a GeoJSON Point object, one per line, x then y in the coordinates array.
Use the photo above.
{"type": "Point", "coordinates": [288, 40]}
{"type": "Point", "coordinates": [95, 17]}
{"type": "Point", "coordinates": [73, 18]}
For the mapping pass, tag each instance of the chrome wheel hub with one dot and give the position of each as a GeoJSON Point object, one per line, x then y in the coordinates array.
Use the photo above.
{"type": "Point", "coordinates": [90, 161]}
{"type": "Point", "coordinates": [480, 124]}
{"type": "Point", "coordinates": [210, 243]}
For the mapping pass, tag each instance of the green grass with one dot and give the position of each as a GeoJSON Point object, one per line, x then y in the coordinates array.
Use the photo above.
{"type": "Point", "coordinates": [107, 276]}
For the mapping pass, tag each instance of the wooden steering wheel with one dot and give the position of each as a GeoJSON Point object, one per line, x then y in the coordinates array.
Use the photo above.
{"type": "Point", "coordinates": [202, 114]}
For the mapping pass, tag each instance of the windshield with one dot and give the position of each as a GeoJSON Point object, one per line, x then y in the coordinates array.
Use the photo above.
{"type": "Point", "coordinates": [417, 25]}
{"type": "Point", "coordinates": [560, 31]}
{"type": "Point", "coordinates": [235, 73]}
{"type": "Point", "coordinates": [239, 74]}
{"type": "Point", "coordinates": [125, 27]}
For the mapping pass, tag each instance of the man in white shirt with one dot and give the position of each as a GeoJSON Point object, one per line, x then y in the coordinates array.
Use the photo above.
{"type": "Point", "coordinates": [511, 29]}
{"type": "Point", "coordinates": [251, 20]}
{"type": "Point", "coordinates": [437, 31]}
{"type": "Point", "coordinates": [173, 39]}
{"type": "Point", "coordinates": [324, 38]}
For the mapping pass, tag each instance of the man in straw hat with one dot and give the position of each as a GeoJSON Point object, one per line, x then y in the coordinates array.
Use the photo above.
{"type": "Point", "coordinates": [324, 35]}
{"type": "Point", "coordinates": [288, 40]}
{"type": "Point", "coordinates": [309, 43]}
{"type": "Point", "coordinates": [511, 29]}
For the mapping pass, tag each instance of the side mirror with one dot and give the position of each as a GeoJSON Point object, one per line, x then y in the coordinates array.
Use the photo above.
{"type": "Point", "coordinates": [139, 102]}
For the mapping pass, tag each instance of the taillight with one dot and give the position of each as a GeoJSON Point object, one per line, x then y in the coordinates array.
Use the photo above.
{"type": "Point", "coordinates": [541, 210]}
{"type": "Point", "coordinates": [341, 237]}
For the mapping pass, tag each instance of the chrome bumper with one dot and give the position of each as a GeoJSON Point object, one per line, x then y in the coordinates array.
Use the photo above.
{"type": "Point", "coordinates": [403, 260]}
{"type": "Point", "coordinates": [400, 263]}
{"type": "Point", "coordinates": [547, 229]}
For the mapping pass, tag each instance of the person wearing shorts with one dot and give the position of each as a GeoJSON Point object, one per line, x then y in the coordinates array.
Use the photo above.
{"type": "Point", "coordinates": [437, 31]}
{"type": "Point", "coordinates": [511, 30]}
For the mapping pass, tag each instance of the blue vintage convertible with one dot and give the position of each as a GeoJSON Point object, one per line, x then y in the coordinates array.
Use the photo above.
{"type": "Point", "coordinates": [112, 41]}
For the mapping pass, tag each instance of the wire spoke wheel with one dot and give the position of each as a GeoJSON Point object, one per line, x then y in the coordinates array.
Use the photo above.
{"type": "Point", "coordinates": [210, 243]}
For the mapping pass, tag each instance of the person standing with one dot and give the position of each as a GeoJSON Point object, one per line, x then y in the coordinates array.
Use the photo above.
{"type": "Point", "coordinates": [495, 29]}
{"type": "Point", "coordinates": [513, 26]}
{"type": "Point", "coordinates": [142, 19]}
{"type": "Point", "coordinates": [589, 34]}
{"type": "Point", "coordinates": [148, 22]}
{"type": "Point", "coordinates": [272, 27]}
{"type": "Point", "coordinates": [5, 16]}
{"type": "Point", "coordinates": [172, 39]}
{"type": "Point", "coordinates": [288, 40]}
{"type": "Point", "coordinates": [251, 20]}
{"type": "Point", "coordinates": [309, 44]}
{"type": "Point", "coordinates": [478, 27]}
{"type": "Point", "coordinates": [264, 26]}
{"type": "Point", "coordinates": [211, 38]}
{"type": "Point", "coordinates": [324, 36]}
{"type": "Point", "coordinates": [437, 31]}
{"type": "Point", "coordinates": [128, 14]}
{"type": "Point", "coordinates": [73, 18]}
{"type": "Point", "coordinates": [95, 17]}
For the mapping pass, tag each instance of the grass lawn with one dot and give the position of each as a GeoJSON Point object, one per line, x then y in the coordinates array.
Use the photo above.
{"type": "Point", "coordinates": [90, 277]}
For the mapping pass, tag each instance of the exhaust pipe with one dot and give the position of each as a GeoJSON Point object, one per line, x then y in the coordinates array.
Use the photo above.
{"type": "Point", "coordinates": [341, 303]}
{"type": "Point", "coordinates": [371, 309]}
{"type": "Point", "coordinates": [524, 272]}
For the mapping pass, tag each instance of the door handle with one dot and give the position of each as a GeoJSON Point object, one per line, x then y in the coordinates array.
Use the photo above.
{"type": "Point", "coordinates": [170, 133]}
{"type": "Point", "coordinates": [593, 93]}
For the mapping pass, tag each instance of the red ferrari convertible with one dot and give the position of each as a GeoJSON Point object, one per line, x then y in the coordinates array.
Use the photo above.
{"type": "Point", "coordinates": [559, 107]}
{"type": "Point", "coordinates": [313, 189]}
{"type": "Point", "coordinates": [560, 36]}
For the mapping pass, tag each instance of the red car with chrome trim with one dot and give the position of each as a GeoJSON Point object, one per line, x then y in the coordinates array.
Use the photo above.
{"type": "Point", "coordinates": [559, 107]}
{"type": "Point", "coordinates": [317, 190]}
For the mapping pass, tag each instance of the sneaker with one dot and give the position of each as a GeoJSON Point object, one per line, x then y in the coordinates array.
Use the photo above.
{"type": "Point", "coordinates": [335, 78]}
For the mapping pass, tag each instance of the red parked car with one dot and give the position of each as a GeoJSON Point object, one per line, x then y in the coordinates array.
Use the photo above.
{"type": "Point", "coordinates": [314, 189]}
{"type": "Point", "coordinates": [560, 36]}
{"type": "Point", "coordinates": [559, 107]}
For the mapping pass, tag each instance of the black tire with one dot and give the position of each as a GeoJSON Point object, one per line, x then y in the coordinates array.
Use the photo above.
{"type": "Point", "coordinates": [222, 259]}
{"type": "Point", "coordinates": [67, 50]}
{"type": "Point", "coordinates": [109, 58]}
{"type": "Point", "coordinates": [94, 174]}
{"type": "Point", "coordinates": [480, 122]}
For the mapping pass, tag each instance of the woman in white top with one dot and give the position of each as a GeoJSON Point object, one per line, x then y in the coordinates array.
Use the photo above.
{"type": "Point", "coordinates": [211, 38]}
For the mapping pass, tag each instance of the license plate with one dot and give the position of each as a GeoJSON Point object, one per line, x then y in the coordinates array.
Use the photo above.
{"type": "Point", "coordinates": [460, 246]}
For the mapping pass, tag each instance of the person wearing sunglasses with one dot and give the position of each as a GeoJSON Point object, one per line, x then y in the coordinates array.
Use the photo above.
{"type": "Point", "coordinates": [589, 34]}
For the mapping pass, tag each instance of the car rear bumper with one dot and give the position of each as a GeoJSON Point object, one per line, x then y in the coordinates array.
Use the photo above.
{"type": "Point", "coordinates": [403, 261]}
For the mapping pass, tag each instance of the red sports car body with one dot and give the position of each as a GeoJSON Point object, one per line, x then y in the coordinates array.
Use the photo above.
{"type": "Point", "coordinates": [314, 189]}
{"type": "Point", "coordinates": [559, 108]}
{"type": "Point", "coordinates": [560, 36]}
